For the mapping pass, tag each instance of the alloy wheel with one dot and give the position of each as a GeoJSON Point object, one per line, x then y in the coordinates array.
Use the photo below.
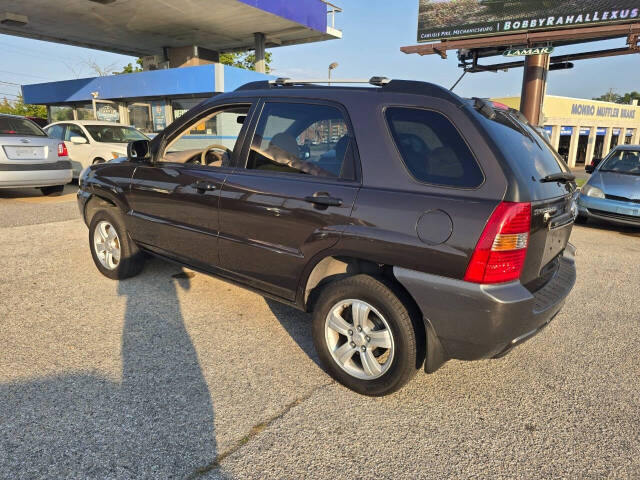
{"type": "Point", "coordinates": [359, 339]}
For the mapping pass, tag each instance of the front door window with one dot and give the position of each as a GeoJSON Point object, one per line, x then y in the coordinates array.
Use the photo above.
{"type": "Point", "coordinates": [209, 141]}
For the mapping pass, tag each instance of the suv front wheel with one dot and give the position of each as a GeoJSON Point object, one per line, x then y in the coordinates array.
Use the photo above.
{"type": "Point", "coordinates": [364, 335]}
{"type": "Point", "coordinates": [113, 252]}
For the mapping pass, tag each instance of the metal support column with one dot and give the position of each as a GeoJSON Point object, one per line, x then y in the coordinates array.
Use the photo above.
{"type": "Point", "coordinates": [591, 144]}
{"type": "Point", "coordinates": [606, 148]}
{"type": "Point", "coordinates": [555, 136]}
{"type": "Point", "coordinates": [573, 146]}
{"type": "Point", "coordinates": [533, 87]}
{"type": "Point", "coordinates": [260, 45]}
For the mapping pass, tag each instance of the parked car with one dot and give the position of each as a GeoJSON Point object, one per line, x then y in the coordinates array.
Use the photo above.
{"type": "Point", "coordinates": [436, 229]}
{"type": "Point", "coordinates": [612, 193]}
{"type": "Point", "coordinates": [90, 141]}
{"type": "Point", "coordinates": [28, 158]}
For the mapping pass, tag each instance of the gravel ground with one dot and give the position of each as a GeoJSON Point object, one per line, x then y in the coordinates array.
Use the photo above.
{"type": "Point", "coordinates": [165, 377]}
{"type": "Point", "coordinates": [27, 206]}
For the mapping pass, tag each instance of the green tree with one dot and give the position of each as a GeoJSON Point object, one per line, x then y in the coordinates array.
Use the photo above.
{"type": "Point", "coordinates": [18, 107]}
{"type": "Point", "coordinates": [130, 68]}
{"type": "Point", "coordinates": [611, 96]}
{"type": "Point", "coordinates": [246, 60]}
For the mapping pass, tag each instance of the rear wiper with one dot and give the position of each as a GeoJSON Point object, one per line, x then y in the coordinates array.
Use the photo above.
{"type": "Point", "coordinates": [562, 177]}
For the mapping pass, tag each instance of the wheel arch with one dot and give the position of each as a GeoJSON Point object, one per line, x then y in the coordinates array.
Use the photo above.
{"type": "Point", "coordinates": [99, 201]}
{"type": "Point", "coordinates": [332, 267]}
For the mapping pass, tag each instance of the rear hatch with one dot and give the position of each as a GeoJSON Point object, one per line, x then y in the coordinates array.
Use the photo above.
{"type": "Point", "coordinates": [538, 175]}
{"type": "Point", "coordinates": [24, 142]}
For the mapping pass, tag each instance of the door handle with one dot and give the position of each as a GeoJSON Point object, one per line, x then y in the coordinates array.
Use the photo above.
{"type": "Point", "coordinates": [322, 199]}
{"type": "Point", "coordinates": [203, 186]}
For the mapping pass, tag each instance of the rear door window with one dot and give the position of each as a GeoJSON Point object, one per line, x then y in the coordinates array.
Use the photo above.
{"type": "Point", "coordinates": [432, 148]}
{"type": "Point", "coordinates": [308, 139]}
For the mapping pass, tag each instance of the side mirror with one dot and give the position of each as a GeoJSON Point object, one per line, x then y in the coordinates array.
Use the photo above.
{"type": "Point", "coordinates": [595, 162]}
{"type": "Point", "coordinates": [77, 140]}
{"type": "Point", "coordinates": [139, 150]}
{"type": "Point", "coordinates": [589, 168]}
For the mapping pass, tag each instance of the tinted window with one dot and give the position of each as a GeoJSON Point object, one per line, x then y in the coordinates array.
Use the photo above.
{"type": "Point", "coordinates": [524, 145]}
{"type": "Point", "coordinates": [623, 161]}
{"type": "Point", "coordinates": [56, 131]}
{"type": "Point", "coordinates": [19, 126]}
{"type": "Point", "coordinates": [302, 138]}
{"type": "Point", "coordinates": [74, 131]}
{"type": "Point", "coordinates": [432, 149]}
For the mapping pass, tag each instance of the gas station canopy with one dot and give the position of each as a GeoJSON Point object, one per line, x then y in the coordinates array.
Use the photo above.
{"type": "Point", "coordinates": [147, 27]}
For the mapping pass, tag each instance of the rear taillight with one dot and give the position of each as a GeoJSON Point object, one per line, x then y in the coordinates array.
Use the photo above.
{"type": "Point", "coordinates": [500, 252]}
{"type": "Point", "coordinates": [62, 150]}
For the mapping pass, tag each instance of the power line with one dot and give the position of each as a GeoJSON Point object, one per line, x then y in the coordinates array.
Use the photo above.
{"type": "Point", "coordinates": [10, 83]}
{"type": "Point", "coordinates": [23, 74]}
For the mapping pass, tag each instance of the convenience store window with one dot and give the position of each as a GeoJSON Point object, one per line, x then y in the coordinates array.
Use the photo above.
{"type": "Point", "coordinates": [183, 105]}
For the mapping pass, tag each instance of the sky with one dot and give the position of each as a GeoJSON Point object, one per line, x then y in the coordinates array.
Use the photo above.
{"type": "Point", "coordinates": [373, 32]}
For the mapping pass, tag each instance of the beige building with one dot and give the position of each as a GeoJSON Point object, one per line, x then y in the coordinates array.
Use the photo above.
{"type": "Point", "coordinates": [585, 129]}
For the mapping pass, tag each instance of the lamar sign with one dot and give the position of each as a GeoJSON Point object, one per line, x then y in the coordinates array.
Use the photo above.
{"type": "Point", "coordinates": [440, 19]}
{"type": "Point", "coordinates": [523, 52]}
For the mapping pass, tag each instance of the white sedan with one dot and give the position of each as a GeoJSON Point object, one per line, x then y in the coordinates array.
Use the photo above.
{"type": "Point", "coordinates": [91, 141]}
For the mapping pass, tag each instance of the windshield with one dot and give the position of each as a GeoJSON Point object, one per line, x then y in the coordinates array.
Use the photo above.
{"type": "Point", "coordinates": [623, 161]}
{"type": "Point", "coordinates": [114, 133]}
{"type": "Point", "coordinates": [19, 126]}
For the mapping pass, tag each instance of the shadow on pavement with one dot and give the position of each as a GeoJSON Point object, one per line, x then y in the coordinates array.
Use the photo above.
{"type": "Point", "coordinates": [157, 423]}
{"type": "Point", "coordinates": [298, 326]}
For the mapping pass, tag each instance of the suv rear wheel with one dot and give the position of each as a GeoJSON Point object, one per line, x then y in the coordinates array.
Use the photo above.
{"type": "Point", "coordinates": [113, 252]}
{"type": "Point", "coordinates": [364, 335]}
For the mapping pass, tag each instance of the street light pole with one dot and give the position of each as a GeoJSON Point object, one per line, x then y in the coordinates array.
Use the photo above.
{"type": "Point", "coordinates": [332, 66]}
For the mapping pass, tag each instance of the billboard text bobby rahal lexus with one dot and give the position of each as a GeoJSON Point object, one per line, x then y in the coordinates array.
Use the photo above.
{"type": "Point", "coordinates": [440, 19]}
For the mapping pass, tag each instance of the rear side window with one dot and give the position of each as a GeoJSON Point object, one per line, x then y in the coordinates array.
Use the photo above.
{"type": "Point", "coordinates": [19, 126]}
{"type": "Point", "coordinates": [432, 149]}
{"type": "Point", "coordinates": [56, 131]}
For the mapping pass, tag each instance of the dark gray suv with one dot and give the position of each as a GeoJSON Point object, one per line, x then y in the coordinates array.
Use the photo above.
{"type": "Point", "coordinates": [415, 225]}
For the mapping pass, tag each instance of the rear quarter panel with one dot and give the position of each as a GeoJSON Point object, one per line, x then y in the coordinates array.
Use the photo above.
{"type": "Point", "coordinates": [388, 210]}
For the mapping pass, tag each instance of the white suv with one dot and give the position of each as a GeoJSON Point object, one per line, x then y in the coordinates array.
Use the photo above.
{"type": "Point", "coordinates": [91, 141]}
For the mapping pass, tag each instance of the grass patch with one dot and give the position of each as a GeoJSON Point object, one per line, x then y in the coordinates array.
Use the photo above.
{"type": "Point", "coordinates": [581, 181]}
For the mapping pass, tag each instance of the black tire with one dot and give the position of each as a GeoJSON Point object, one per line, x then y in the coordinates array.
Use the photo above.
{"type": "Point", "coordinates": [54, 191]}
{"type": "Point", "coordinates": [98, 160]}
{"type": "Point", "coordinates": [581, 219]}
{"type": "Point", "coordinates": [131, 257]}
{"type": "Point", "coordinates": [391, 302]}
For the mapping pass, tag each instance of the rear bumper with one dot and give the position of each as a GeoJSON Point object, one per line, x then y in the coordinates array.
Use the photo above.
{"type": "Point", "coordinates": [473, 321]}
{"type": "Point", "coordinates": [35, 175]}
{"type": "Point", "coordinates": [625, 213]}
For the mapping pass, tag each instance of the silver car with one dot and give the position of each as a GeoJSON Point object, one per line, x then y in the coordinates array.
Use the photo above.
{"type": "Point", "coordinates": [29, 158]}
{"type": "Point", "coordinates": [613, 191]}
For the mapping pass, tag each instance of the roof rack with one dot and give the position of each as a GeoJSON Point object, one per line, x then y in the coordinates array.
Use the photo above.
{"type": "Point", "coordinates": [378, 81]}
{"type": "Point", "coordinates": [398, 86]}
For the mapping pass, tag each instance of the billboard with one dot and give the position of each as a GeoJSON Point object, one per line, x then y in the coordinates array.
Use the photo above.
{"type": "Point", "coordinates": [442, 19]}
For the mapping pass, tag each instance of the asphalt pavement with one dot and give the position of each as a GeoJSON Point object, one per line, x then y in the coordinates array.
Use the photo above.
{"type": "Point", "coordinates": [174, 375]}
